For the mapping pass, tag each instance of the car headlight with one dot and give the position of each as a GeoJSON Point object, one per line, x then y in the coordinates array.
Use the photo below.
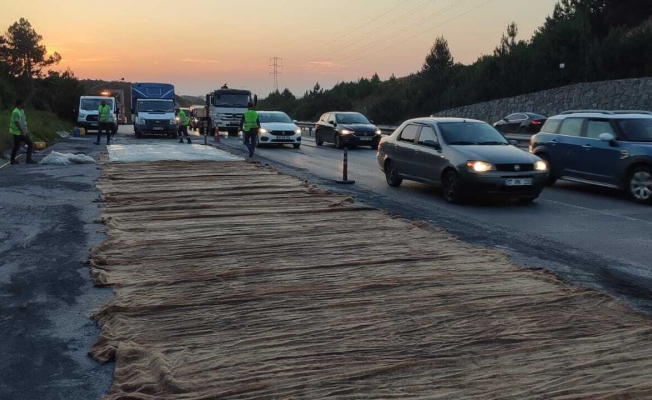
{"type": "Point", "coordinates": [263, 130]}
{"type": "Point", "coordinates": [480, 166]}
{"type": "Point", "coordinates": [379, 132]}
{"type": "Point", "coordinates": [346, 132]}
{"type": "Point", "coordinates": [173, 120]}
{"type": "Point", "coordinates": [298, 131]}
{"type": "Point", "coordinates": [540, 166]}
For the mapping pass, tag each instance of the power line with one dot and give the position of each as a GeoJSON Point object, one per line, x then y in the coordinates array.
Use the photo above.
{"type": "Point", "coordinates": [421, 33]}
{"type": "Point", "coordinates": [275, 69]}
{"type": "Point", "coordinates": [420, 22]}
{"type": "Point", "coordinates": [360, 27]}
{"type": "Point", "coordinates": [390, 23]}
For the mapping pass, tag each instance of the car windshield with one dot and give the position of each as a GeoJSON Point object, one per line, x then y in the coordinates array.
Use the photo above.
{"type": "Point", "coordinates": [471, 133]}
{"type": "Point", "coordinates": [352, 119]}
{"type": "Point", "coordinates": [274, 117]}
{"type": "Point", "coordinates": [230, 100]}
{"type": "Point", "coordinates": [637, 130]}
{"type": "Point", "coordinates": [94, 104]}
{"type": "Point", "coordinates": [156, 105]}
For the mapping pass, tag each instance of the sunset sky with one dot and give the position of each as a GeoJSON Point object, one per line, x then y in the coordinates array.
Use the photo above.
{"type": "Point", "coordinates": [198, 45]}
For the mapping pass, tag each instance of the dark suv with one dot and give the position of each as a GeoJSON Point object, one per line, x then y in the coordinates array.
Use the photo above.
{"type": "Point", "coordinates": [347, 129]}
{"type": "Point", "coordinates": [604, 148]}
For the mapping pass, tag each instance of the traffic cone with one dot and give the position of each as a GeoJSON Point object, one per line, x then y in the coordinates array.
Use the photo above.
{"type": "Point", "coordinates": [216, 137]}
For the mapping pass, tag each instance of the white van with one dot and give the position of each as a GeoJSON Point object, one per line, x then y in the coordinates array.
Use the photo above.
{"type": "Point", "coordinates": [88, 112]}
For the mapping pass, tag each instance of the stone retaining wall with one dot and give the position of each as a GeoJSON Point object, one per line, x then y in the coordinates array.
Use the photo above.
{"type": "Point", "coordinates": [626, 94]}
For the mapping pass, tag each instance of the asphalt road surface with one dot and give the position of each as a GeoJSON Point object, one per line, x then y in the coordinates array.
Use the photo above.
{"type": "Point", "coordinates": [588, 236]}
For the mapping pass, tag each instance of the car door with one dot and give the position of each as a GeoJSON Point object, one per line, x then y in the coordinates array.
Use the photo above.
{"type": "Point", "coordinates": [405, 149]}
{"type": "Point", "coordinates": [515, 123]}
{"type": "Point", "coordinates": [600, 159]}
{"type": "Point", "coordinates": [321, 126]}
{"type": "Point", "coordinates": [568, 154]}
{"type": "Point", "coordinates": [332, 122]}
{"type": "Point", "coordinates": [429, 158]}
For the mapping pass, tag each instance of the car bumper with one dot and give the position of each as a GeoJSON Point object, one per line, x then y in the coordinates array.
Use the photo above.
{"type": "Point", "coordinates": [361, 140]}
{"type": "Point", "coordinates": [495, 184]}
{"type": "Point", "coordinates": [265, 138]}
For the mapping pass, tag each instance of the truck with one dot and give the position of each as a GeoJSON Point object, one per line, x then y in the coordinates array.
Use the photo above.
{"type": "Point", "coordinates": [88, 112]}
{"type": "Point", "coordinates": [153, 109]}
{"type": "Point", "coordinates": [224, 110]}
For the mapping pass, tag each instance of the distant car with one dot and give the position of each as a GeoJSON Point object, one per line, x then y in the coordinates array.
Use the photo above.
{"type": "Point", "coordinates": [465, 157]}
{"type": "Point", "coordinates": [603, 148]}
{"type": "Point", "coordinates": [521, 123]}
{"type": "Point", "coordinates": [277, 127]}
{"type": "Point", "coordinates": [346, 129]}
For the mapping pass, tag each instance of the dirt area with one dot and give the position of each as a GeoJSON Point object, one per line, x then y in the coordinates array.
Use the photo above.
{"type": "Point", "coordinates": [232, 281]}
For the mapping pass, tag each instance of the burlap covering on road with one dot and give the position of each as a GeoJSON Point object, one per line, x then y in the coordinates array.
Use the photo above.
{"type": "Point", "coordinates": [232, 281]}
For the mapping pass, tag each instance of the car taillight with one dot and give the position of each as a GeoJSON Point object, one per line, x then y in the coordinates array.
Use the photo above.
{"type": "Point", "coordinates": [537, 122]}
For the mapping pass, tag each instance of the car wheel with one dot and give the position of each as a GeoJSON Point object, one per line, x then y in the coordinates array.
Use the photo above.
{"type": "Point", "coordinates": [338, 142]}
{"type": "Point", "coordinates": [552, 179]}
{"type": "Point", "coordinates": [391, 175]}
{"type": "Point", "coordinates": [319, 141]}
{"type": "Point", "coordinates": [451, 187]}
{"type": "Point", "coordinates": [527, 200]}
{"type": "Point", "coordinates": [639, 185]}
{"type": "Point", "coordinates": [296, 145]}
{"type": "Point", "coordinates": [138, 134]}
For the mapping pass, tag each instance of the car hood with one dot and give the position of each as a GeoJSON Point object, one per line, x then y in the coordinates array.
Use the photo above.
{"type": "Point", "coordinates": [279, 126]}
{"type": "Point", "coordinates": [495, 154]}
{"type": "Point", "coordinates": [359, 127]}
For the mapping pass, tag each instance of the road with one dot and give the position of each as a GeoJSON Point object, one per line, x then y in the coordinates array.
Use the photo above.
{"type": "Point", "coordinates": [587, 236]}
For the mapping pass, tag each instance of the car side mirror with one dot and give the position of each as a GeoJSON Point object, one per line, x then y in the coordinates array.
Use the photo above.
{"type": "Point", "coordinates": [294, 121]}
{"type": "Point", "coordinates": [431, 143]}
{"type": "Point", "coordinates": [608, 137]}
{"type": "Point", "coordinates": [505, 119]}
{"type": "Point", "coordinates": [513, 142]}
{"type": "Point", "coordinates": [372, 121]}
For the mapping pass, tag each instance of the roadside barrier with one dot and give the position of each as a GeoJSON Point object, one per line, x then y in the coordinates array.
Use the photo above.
{"type": "Point", "coordinates": [345, 165]}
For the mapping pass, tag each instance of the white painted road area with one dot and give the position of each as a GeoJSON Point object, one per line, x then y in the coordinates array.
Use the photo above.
{"type": "Point", "coordinates": [129, 153]}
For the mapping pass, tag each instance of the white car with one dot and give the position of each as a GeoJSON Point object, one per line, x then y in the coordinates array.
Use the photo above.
{"type": "Point", "coordinates": [277, 128]}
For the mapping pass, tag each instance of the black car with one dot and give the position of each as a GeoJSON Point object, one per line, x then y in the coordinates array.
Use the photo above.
{"type": "Point", "coordinates": [521, 123]}
{"type": "Point", "coordinates": [346, 129]}
{"type": "Point", "coordinates": [465, 157]}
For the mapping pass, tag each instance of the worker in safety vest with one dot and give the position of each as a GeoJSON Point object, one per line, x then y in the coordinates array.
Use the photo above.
{"type": "Point", "coordinates": [18, 129]}
{"type": "Point", "coordinates": [183, 121]}
{"type": "Point", "coordinates": [250, 125]}
{"type": "Point", "coordinates": [104, 115]}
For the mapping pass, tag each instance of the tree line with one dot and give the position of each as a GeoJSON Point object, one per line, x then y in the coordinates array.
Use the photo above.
{"type": "Point", "coordinates": [24, 74]}
{"type": "Point", "coordinates": [581, 41]}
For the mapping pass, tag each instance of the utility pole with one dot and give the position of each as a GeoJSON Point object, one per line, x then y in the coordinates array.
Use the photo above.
{"type": "Point", "coordinates": [275, 65]}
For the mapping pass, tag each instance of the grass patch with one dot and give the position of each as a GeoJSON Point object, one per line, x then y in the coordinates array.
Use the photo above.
{"type": "Point", "coordinates": [42, 126]}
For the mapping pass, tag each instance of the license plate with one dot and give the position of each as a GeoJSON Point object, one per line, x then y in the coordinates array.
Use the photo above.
{"type": "Point", "coordinates": [95, 124]}
{"type": "Point", "coordinates": [364, 138]}
{"type": "Point", "coordinates": [284, 137]}
{"type": "Point", "coordinates": [519, 182]}
{"type": "Point", "coordinates": [158, 128]}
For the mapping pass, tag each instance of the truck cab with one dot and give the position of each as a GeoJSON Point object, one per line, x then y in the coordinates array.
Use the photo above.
{"type": "Point", "coordinates": [88, 112]}
{"type": "Point", "coordinates": [153, 109]}
{"type": "Point", "coordinates": [227, 108]}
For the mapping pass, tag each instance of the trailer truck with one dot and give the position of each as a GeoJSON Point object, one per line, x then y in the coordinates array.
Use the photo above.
{"type": "Point", "coordinates": [153, 109]}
